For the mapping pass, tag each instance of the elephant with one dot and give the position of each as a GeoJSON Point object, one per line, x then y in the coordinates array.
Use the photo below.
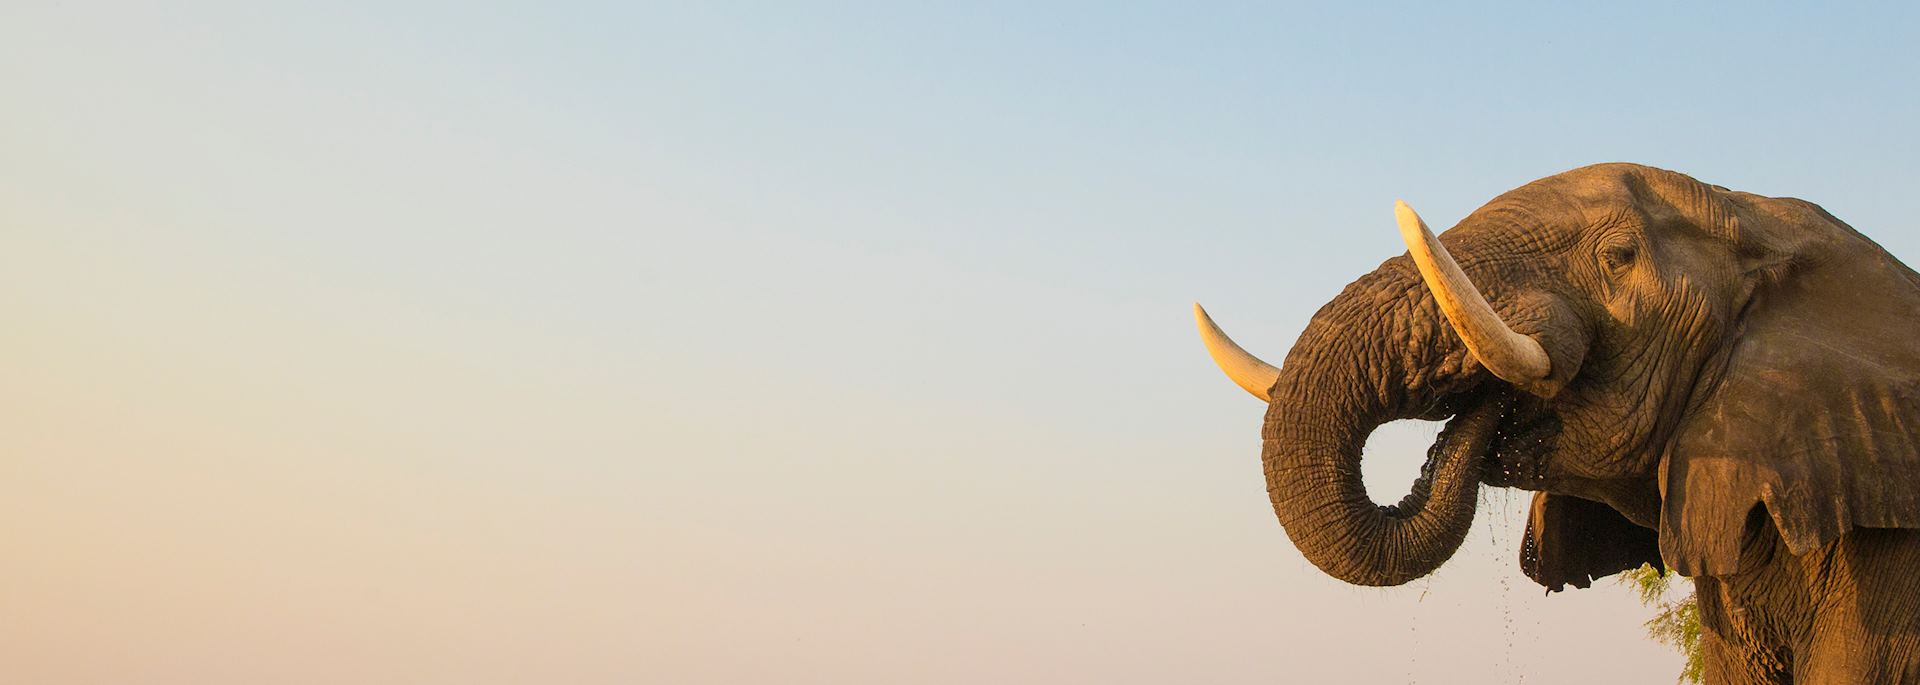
{"type": "Point", "coordinates": [1715, 382]}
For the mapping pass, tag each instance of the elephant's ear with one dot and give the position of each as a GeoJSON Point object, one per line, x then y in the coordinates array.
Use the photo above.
{"type": "Point", "coordinates": [1816, 412]}
{"type": "Point", "coordinates": [1572, 541]}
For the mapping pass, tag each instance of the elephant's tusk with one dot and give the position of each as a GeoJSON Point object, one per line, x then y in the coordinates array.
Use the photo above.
{"type": "Point", "coordinates": [1513, 357]}
{"type": "Point", "coordinates": [1246, 370]}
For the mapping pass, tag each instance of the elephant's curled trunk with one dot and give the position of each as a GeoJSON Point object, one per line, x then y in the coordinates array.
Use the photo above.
{"type": "Point", "coordinates": [1313, 478]}
{"type": "Point", "coordinates": [1378, 352]}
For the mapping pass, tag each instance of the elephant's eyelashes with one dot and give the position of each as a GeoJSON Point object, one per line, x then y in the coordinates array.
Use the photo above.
{"type": "Point", "coordinates": [1619, 257]}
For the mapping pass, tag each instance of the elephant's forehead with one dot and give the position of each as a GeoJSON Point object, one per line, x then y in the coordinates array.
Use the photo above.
{"type": "Point", "coordinates": [1515, 223]}
{"type": "Point", "coordinates": [1552, 213]}
{"type": "Point", "coordinates": [1608, 189]}
{"type": "Point", "coordinates": [1573, 195]}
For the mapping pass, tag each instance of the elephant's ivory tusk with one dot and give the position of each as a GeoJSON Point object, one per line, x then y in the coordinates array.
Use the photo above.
{"type": "Point", "coordinates": [1246, 370]}
{"type": "Point", "coordinates": [1513, 357]}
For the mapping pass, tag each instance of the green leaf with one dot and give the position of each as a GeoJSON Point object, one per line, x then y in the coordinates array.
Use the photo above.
{"type": "Point", "coordinates": [1676, 621]}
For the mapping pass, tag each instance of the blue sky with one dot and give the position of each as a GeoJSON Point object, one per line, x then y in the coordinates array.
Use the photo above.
{"type": "Point", "coordinates": [407, 342]}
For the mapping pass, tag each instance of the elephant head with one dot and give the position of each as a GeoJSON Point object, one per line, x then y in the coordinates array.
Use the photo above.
{"type": "Point", "coordinates": [1668, 364]}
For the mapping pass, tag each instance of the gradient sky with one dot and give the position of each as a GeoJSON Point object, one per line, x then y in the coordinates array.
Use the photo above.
{"type": "Point", "coordinates": [713, 343]}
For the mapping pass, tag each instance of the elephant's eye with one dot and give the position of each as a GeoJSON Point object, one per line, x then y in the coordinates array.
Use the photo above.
{"type": "Point", "coordinates": [1619, 257]}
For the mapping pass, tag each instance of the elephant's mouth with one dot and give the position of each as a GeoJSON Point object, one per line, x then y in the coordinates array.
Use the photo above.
{"type": "Point", "coordinates": [1522, 438]}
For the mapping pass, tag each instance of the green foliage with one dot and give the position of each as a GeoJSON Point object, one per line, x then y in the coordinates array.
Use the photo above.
{"type": "Point", "coordinates": [1678, 621]}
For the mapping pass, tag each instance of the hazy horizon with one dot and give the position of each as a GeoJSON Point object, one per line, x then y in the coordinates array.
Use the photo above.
{"type": "Point", "coordinates": [425, 343]}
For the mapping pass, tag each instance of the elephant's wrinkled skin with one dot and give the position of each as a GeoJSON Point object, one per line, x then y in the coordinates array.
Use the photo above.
{"type": "Point", "coordinates": [1717, 382]}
